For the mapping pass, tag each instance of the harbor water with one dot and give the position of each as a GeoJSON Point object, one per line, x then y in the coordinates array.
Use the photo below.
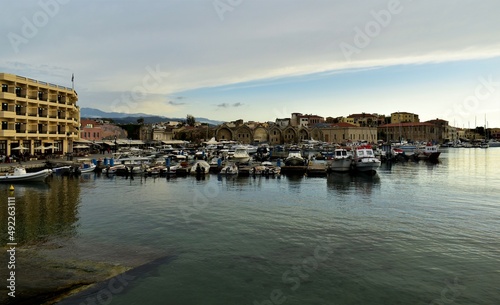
{"type": "Point", "coordinates": [415, 233]}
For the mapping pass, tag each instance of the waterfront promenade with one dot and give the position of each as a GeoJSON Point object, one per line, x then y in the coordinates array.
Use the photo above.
{"type": "Point", "coordinates": [5, 167]}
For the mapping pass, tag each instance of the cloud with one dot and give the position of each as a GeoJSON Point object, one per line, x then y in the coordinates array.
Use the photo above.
{"type": "Point", "coordinates": [223, 105]}
{"type": "Point", "coordinates": [176, 103]}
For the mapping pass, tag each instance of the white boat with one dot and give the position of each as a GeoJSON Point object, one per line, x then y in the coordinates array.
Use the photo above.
{"type": "Point", "coordinates": [494, 143]}
{"type": "Point", "coordinates": [429, 153]}
{"type": "Point", "coordinates": [364, 160]}
{"type": "Point", "coordinates": [241, 155]}
{"type": "Point", "coordinates": [295, 157]}
{"type": "Point", "coordinates": [200, 168]}
{"type": "Point", "coordinates": [20, 175]}
{"type": "Point", "coordinates": [230, 169]}
{"type": "Point", "coordinates": [87, 168]}
{"type": "Point", "coordinates": [341, 162]}
{"type": "Point", "coordinates": [86, 165]}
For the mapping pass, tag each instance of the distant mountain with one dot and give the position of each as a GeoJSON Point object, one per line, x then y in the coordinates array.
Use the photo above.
{"type": "Point", "coordinates": [124, 118]}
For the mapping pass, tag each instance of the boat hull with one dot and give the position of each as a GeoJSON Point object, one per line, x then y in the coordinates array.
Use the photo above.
{"type": "Point", "coordinates": [28, 177]}
{"type": "Point", "coordinates": [340, 165]}
{"type": "Point", "coordinates": [294, 161]}
{"type": "Point", "coordinates": [366, 165]}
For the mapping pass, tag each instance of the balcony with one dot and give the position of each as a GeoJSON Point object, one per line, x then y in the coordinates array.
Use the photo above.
{"type": "Point", "coordinates": [7, 114]}
{"type": "Point", "coordinates": [7, 133]}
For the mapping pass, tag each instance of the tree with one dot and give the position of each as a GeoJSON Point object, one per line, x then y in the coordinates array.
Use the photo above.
{"type": "Point", "coordinates": [190, 120]}
{"type": "Point", "coordinates": [140, 120]}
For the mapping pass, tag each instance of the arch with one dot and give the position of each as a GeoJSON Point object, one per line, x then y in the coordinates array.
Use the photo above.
{"type": "Point", "coordinates": [244, 134]}
{"type": "Point", "coordinates": [275, 136]}
{"type": "Point", "coordinates": [303, 134]}
{"type": "Point", "coordinates": [260, 134]}
{"type": "Point", "coordinates": [289, 135]}
{"type": "Point", "coordinates": [224, 133]}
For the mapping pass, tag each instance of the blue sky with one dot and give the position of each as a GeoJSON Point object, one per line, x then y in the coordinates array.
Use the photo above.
{"type": "Point", "coordinates": [258, 60]}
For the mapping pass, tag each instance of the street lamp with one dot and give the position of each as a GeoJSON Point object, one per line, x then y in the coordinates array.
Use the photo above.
{"type": "Point", "coordinates": [116, 147]}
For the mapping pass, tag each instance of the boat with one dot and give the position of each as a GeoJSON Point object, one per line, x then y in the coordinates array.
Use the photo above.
{"type": "Point", "coordinates": [200, 168]}
{"type": "Point", "coordinates": [341, 161]}
{"type": "Point", "coordinates": [429, 153]}
{"type": "Point", "coordinates": [230, 169]}
{"type": "Point", "coordinates": [241, 155]}
{"type": "Point", "coordinates": [265, 169]}
{"type": "Point", "coordinates": [484, 145]}
{"type": "Point", "coordinates": [364, 160]}
{"type": "Point", "coordinates": [20, 175]}
{"type": "Point", "coordinates": [294, 157]}
{"type": "Point", "coordinates": [494, 143]}
{"type": "Point", "coordinates": [87, 168]}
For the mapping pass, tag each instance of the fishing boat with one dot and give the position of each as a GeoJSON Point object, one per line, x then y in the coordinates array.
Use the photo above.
{"type": "Point", "coordinates": [364, 160]}
{"type": "Point", "coordinates": [429, 153]}
{"type": "Point", "coordinates": [294, 157]}
{"type": "Point", "coordinates": [341, 161]}
{"type": "Point", "coordinates": [20, 175]}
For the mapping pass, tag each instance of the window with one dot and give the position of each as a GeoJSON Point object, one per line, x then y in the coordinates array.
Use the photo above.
{"type": "Point", "coordinates": [5, 107]}
{"type": "Point", "coordinates": [18, 91]}
{"type": "Point", "coordinates": [5, 88]}
{"type": "Point", "coordinates": [5, 125]}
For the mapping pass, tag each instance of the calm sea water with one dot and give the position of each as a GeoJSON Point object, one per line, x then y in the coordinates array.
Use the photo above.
{"type": "Point", "coordinates": [415, 233]}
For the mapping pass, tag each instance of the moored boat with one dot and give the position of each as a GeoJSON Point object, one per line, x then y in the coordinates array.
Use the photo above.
{"type": "Point", "coordinates": [364, 160]}
{"type": "Point", "coordinates": [429, 153]}
{"type": "Point", "coordinates": [295, 157]}
{"type": "Point", "coordinates": [241, 155]}
{"type": "Point", "coordinates": [341, 161]}
{"type": "Point", "coordinates": [200, 168]}
{"type": "Point", "coordinates": [20, 175]}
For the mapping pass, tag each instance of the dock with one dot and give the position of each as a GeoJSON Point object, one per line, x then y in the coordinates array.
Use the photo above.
{"type": "Point", "coordinates": [316, 170]}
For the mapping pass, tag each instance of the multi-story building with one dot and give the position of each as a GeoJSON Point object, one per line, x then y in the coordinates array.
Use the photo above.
{"type": "Point", "coordinates": [404, 117]}
{"type": "Point", "coordinates": [90, 130]}
{"type": "Point", "coordinates": [344, 132]}
{"type": "Point", "coordinates": [36, 115]}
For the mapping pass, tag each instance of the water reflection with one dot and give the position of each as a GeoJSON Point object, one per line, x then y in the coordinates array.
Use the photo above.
{"type": "Point", "coordinates": [43, 209]}
{"type": "Point", "coordinates": [345, 183]}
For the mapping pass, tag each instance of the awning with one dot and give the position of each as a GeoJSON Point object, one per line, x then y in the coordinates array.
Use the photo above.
{"type": "Point", "coordinates": [82, 141]}
{"type": "Point", "coordinates": [81, 146]}
{"type": "Point", "coordinates": [175, 142]}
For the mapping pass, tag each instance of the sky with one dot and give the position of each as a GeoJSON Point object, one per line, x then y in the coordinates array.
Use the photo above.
{"type": "Point", "coordinates": [261, 60]}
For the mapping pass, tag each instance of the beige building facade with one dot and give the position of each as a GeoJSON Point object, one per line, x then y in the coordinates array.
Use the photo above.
{"type": "Point", "coordinates": [36, 115]}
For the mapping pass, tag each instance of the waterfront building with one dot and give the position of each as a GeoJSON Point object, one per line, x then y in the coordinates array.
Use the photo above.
{"type": "Point", "coordinates": [90, 130]}
{"type": "Point", "coordinates": [404, 117]}
{"type": "Point", "coordinates": [397, 132]}
{"type": "Point", "coordinates": [305, 120]}
{"type": "Point", "coordinates": [363, 119]}
{"type": "Point", "coordinates": [253, 132]}
{"type": "Point", "coordinates": [343, 133]}
{"type": "Point", "coordinates": [35, 115]}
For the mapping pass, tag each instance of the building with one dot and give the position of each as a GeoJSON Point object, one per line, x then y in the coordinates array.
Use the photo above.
{"type": "Point", "coordinates": [363, 119]}
{"type": "Point", "coordinates": [344, 132]}
{"type": "Point", "coordinates": [36, 115]}
{"type": "Point", "coordinates": [404, 117]}
{"type": "Point", "coordinates": [90, 130]}
{"type": "Point", "coordinates": [398, 132]}
{"type": "Point", "coordinates": [305, 120]}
